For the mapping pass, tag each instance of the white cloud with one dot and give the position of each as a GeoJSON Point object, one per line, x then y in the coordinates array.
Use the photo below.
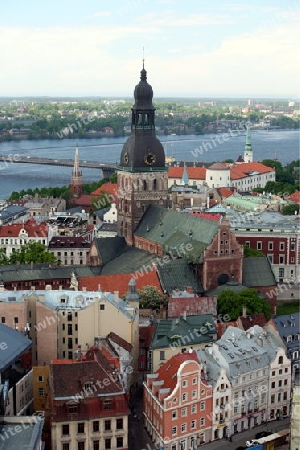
{"type": "Point", "coordinates": [170, 18]}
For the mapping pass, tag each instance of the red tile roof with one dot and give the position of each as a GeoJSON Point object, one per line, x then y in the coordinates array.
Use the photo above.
{"type": "Point", "coordinates": [295, 197]}
{"type": "Point", "coordinates": [225, 192]}
{"type": "Point", "coordinates": [208, 216]}
{"type": "Point", "coordinates": [30, 227]}
{"type": "Point", "coordinates": [242, 170]}
{"type": "Point", "coordinates": [83, 200]}
{"type": "Point", "coordinates": [168, 372]}
{"type": "Point", "coordinates": [194, 173]}
{"type": "Point", "coordinates": [109, 188]}
{"type": "Point", "coordinates": [118, 282]}
{"type": "Point", "coordinates": [119, 341]}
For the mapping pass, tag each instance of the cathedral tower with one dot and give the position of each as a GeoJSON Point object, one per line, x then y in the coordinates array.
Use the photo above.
{"type": "Point", "coordinates": [248, 154]}
{"type": "Point", "coordinates": [142, 174]}
{"type": "Point", "coordinates": [76, 180]}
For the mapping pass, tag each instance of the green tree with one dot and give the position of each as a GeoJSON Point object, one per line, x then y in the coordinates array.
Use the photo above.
{"type": "Point", "coordinates": [232, 304]}
{"type": "Point", "coordinates": [290, 210]}
{"type": "Point", "coordinates": [113, 178]}
{"type": "Point", "coordinates": [252, 252]}
{"type": "Point", "coordinates": [34, 252]}
{"type": "Point", "coordinates": [151, 297]}
{"type": "Point", "coordinates": [3, 258]}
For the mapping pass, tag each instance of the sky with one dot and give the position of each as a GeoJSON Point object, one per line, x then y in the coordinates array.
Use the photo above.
{"type": "Point", "coordinates": [192, 48]}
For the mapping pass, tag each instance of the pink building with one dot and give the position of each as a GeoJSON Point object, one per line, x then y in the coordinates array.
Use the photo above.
{"type": "Point", "coordinates": [178, 404]}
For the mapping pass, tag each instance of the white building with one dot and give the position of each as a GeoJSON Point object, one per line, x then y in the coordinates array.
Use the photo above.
{"type": "Point", "coordinates": [218, 175]}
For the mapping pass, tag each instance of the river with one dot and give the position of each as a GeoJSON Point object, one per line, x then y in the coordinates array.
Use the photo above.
{"type": "Point", "coordinates": [281, 144]}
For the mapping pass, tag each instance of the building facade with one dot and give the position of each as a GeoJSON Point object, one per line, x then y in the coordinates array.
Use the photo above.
{"type": "Point", "coordinates": [178, 404]}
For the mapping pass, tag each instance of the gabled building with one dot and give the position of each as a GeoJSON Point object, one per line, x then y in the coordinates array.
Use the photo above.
{"type": "Point", "coordinates": [69, 251]}
{"type": "Point", "coordinates": [181, 334]}
{"type": "Point", "coordinates": [288, 328]}
{"type": "Point", "coordinates": [178, 403]}
{"type": "Point", "coordinates": [88, 406]}
{"type": "Point", "coordinates": [259, 374]}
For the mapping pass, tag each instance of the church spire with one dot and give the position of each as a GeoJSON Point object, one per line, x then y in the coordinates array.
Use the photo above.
{"type": "Point", "coordinates": [185, 179]}
{"type": "Point", "coordinates": [76, 180]}
{"type": "Point", "coordinates": [248, 154]}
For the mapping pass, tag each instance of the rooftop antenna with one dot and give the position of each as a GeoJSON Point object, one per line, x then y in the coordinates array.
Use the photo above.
{"type": "Point", "coordinates": [143, 56]}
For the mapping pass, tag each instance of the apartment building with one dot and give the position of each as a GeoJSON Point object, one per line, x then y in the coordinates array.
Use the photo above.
{"type": "Point", "coordinates": [61, 320]}
{"type": "Point", "coordinates": [13, 236]}
{"type": "Point", "coordinates": [69, 251]}
{"type": "Point", "coordinates": [88, 406]}
{"type": "Point", "coordinates": [257, 370]}
{"type": "Point", "coordinates": [178, 404]}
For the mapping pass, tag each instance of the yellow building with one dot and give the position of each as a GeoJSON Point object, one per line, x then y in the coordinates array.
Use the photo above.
{"type": "Point", "coordinates": [40, 382]}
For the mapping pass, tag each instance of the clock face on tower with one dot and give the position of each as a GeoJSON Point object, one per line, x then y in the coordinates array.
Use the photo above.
{"type": "Point", "coordinates": [149, 159]}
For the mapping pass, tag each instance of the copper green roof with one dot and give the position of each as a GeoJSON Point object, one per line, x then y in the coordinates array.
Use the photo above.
{"type": "Point", "coordinates": [175, 230]}
{"type": "Point", "coordinates": [258, 272]}
{"type": "Point", "coordinates": [184, 332]}
{"type": "Point", "coordinates": [178, 274]}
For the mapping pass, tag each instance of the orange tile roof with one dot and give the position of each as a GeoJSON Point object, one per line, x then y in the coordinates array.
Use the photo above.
{"type": "Point", "coordinates": [83, 200]}
{"type": "Point", "coordinates": [295, 197]}
{"type": "Point", "coordinates": [118, 282]}
{"type": "Point", "coordinates": [30, 226]}
{"type": "Point", "coordinates": [242, 170]}
{"type": "Point", "coordinates": [224, 192]}
{"type": "Point", "coordinates": [194, 173]}
{"type": "Point", "coordinates": [109, 188]}
{"type": "Point", "coordinates": [168, 372]}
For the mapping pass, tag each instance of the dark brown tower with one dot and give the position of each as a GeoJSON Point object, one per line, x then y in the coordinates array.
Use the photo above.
{"type": "Point", "coordinates": [76, 180]}
{"type": "Point", "coordinates": [142, 175]}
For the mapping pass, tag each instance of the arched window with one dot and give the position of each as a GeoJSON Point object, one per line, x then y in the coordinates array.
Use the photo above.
{"type": "Point", "coordinates": [155, 184]}
{"type": "Point", "coordinates": [144, 185]}
{"type": "Point", "coordinates": [280, 360]}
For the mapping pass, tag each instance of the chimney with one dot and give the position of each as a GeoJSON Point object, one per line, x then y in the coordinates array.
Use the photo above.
{"type": "Point", "coordinates": [60, 288]}
{"type": "Point", "coordinates": [244, 314]}
{"type": "Point", "coordinates": [184, 315]}
{"type": "Point", "coordinates": [83, 288]}
{"type": "Point", "coordinates": [116, 295]}
{"type": "Point", "coordinates": [48, 287]}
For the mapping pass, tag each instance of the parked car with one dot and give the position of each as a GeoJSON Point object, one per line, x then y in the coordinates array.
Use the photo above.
{"type": "Point", "coordinates": [252, 442]}
{"type": "Point", "coordinates": [262, 434]}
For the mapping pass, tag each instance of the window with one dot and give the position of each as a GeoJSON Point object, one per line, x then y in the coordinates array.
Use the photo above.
{"type": "Point", "coordinates": [183, 428]}
{"type": "Point", "coordinates": [281, 259]}
{"type": "Point", "coordinates": [281, 272]}
{"type": "Point", "coordinates": [2, 319]}
{"type": "Point", "coordinates": [280, 360]}
{"type": "Point", "coordinates": [270, 245]}
{"type": "Point", "coordinates": [293, 246]}
{"type": "Point", "coordinates": [259, 245]}
{"type": "Point", "coordinates": [279, 397]}
{"type": "Point", "coordinates": [102, 307]}
{"type": "Point", "coordinates": [281, 246]}
{"type": "Point", "coordinates": [184, 383]}
{"type": "Point", "coordinates": [162, 355]}
{"type": "Point", "coordinates": [194, 394]}
{"type": "Point", "coordinates": [66, 446]}
{"type": "Point", "coordinates": [40, 378]}
{"type": "Point", "coordinates": [65, 430]}
{"type": "Point", "coordinates": [174, 431]}
{"type": "Point", "coordinates": [107, 426]}
{"type": "Point", "coordinates": [119, 442]}
{"type": "Point", "coordinates": [184, 397]}
{"type": "Point", "coordinates": [273, 398]}
{"type": "Point", "coordinates": [16, 320]}
{"type": "Point", "coordinates": [193, 409]}
{"type": "Point", "coordinates": [202, 406]}
{"type": "Point", "coordinates": [202, 421]}
{"type": "Point", "coordinates": [183, 412]}
{"type": "Point", "coordinates": [193, 424]}
{"type": "Point", "coordinates": [41, 392]}
{"type": "Point", "coordinates": [107, 404]}
{"type": "Point", "coordinates": [80, 427]}
{"type": "Point", "coordinates": [279, 383]}
{"type": "Point", "coordinates": [96, 426]}
{"type": "Point", "coordinates": [194, 381]}
{"type": "Point", "coordinates": [73, 409]}
{"type": "Point", "coordinates": [96, 445]}
{"type": "Point", "coordinates": [119, 424]}
{"type": "Point", "coordinates": [69, 329]}
{"type": "Point", "coordinates": [107, 444]}
{"type": "Point", "coordinates": [273, 385]}
{"type": "Point", "coordinates": [80, 445]}
{"type": "Point", "coordinates": [174, 415]}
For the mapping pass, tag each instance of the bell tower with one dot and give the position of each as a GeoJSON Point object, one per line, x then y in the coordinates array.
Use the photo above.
{"type": "Point", "coordinates": [142, 174]}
